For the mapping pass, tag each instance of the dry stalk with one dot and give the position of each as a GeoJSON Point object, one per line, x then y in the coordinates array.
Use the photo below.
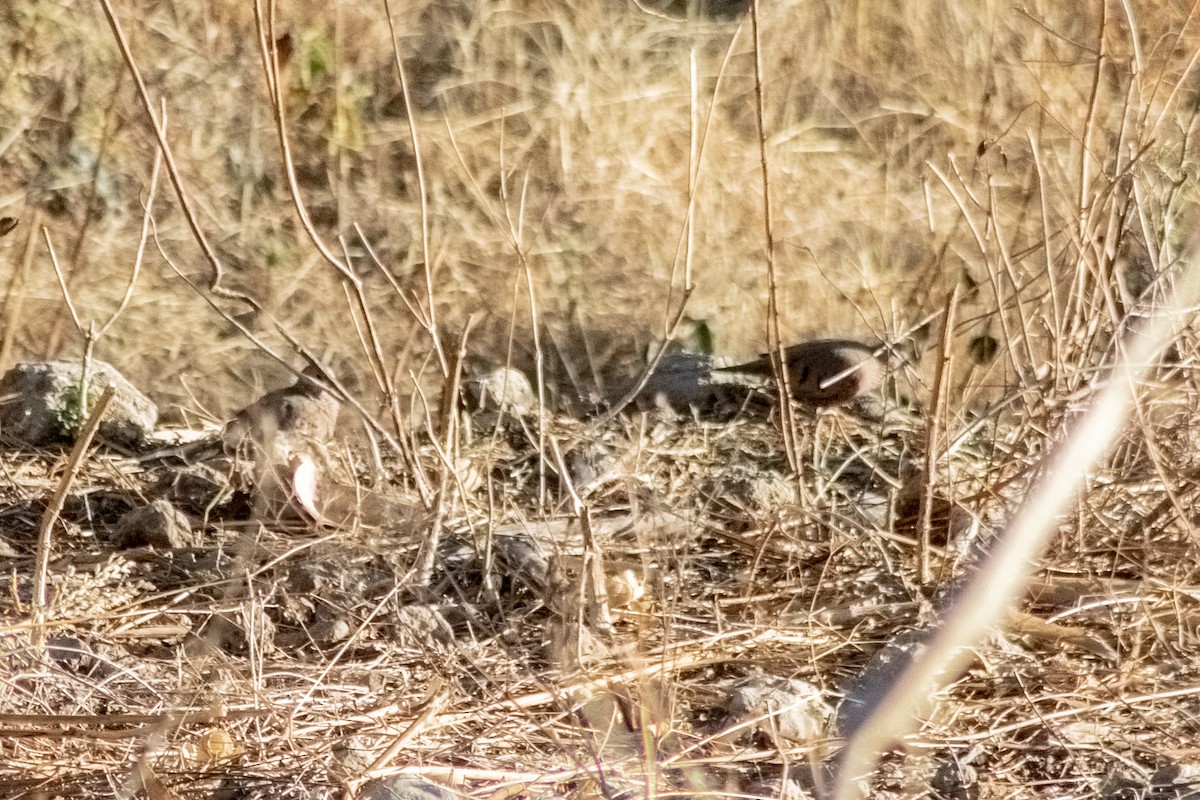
{"type": "Point", "coordinates": [268, 50]}
{"type": "Point", "coordinates": [515, 234]}
{"type": "Point", "coordinates": [437, 697]}
{"type": "Point", "coordinates": [940, 411]}
{"type": "Point", "coordinates": [695, 173]}
{"type": "Point", "coordinates": [12, 310]}
{"type": "Point", "coordinates": [986, 596]}
{"type": "Point", "coordinates": [83, 441]}
{"type": "Point", "coordinates": [54, 338]}
{"type": "Point", "coordinates": [431, 320]}
{"type": "Point", "coordinates": [93, 333]}
{"type": "Point", "coordinates": [447, 424]}
{"type": "Point", "coordinates": [775, 346]}
{"type": "Point", "coordinates": [217, 270]}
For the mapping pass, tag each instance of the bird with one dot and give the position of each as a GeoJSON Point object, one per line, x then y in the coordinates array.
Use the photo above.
{"type": "Point", "coordinates": [823, 372]}
{"type": "Point", "coordinates": [295, 419]}
{"type": "Point", "coordinates": [284, 434]}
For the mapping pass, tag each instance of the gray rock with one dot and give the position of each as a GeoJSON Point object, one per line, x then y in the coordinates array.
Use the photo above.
{"type": "Point", "coordinates": [500, 390]}
{"type": "Point", "coordinates": [793, 708]}
{"type": "Point", "coordinates": [355, 754]}
{"type": "Point", "coordinates": [159, 524]}
{"type": "Point", "coordinates": [39, 404]}
{"type": "Point", "coordinates": [405, 787]}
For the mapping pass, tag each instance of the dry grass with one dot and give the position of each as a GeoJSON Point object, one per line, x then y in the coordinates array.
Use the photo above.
{"type": "Point", "coordinates": [578, 164]}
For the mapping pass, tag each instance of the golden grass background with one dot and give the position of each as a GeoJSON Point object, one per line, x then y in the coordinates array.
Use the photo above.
{"type": "Point", "coordinates": [561, 137]}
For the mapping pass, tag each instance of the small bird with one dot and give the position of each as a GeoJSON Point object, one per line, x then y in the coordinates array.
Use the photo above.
{"type": "Point", "coordinates": [297, 418]}
{"type": "Point", "coordinates": [284, 433]}
{"type": "Point", "coordinates": [823, 372]}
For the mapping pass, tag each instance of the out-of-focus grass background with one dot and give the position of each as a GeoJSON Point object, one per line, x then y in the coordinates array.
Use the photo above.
{"type": "Point", "coordinates": [910, 145]}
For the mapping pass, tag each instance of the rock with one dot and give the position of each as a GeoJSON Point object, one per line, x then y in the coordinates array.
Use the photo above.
{"type": "Point", "coordinates": [405, 787]}
{"type": "Point", "coordinates": [501, 390]}
{"type": "Point", "coordinates": [39, 404]}
{"type": "Point", "coordinates": [793, 708]}
{"type": "Point", "coordinates": [421, 623]}
{"type": "Point", "coordinates": [355, 754]}
{"type": "Point", "coordinates": [71, 654]}
{"type": "Point", "coordinates": [159, 524]}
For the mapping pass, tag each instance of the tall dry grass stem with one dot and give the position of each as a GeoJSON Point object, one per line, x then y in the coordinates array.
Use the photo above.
{"type": "Point", "coordinates": [50, 515]}
{"type": "Point", "coordinates": [426, 256]}
{"type": "Point", "coordinates": [939, 410]}
{"type": "Point", "coordinates": [695, 174]}
{"type": "Point", "coordinates": [775, 343]}
{"type": "Point", "coordinates": [13, 309]}
{"type": "Point", "coordinates": [989, 591]}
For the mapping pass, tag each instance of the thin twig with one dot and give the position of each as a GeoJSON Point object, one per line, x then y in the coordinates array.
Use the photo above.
{"type": "Point", "coordinates": [50, 516]}
{"type": "Point", "coordinates": [775, 346]}
{"type": "Point", "coordinates": [217, 270]}
{"type": "Point", "coordinates": [426, 258]}
{"type": "Point", "coordinates": [939, 405]}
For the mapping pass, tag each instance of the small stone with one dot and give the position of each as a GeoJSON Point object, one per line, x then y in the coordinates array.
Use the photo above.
{"type": "Point", "coordinates": [159, 524]}
{"type": "Point", "coordinates": [501, 390]}
{"type": "Point", "coordinates": [355, 754]}
{"type": "Point", "coordinates": [39, 404]}
{"type": "Point", "coordinates": [422, 622]}
{"type": "Point", "coordinates": [328, 632]}
{"type": "Point", "coordinates": [405, 787]}
{"type": "Point", "coordinates": [792, 708]}
{"type": "Point", "coordinates": [71, 654]}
